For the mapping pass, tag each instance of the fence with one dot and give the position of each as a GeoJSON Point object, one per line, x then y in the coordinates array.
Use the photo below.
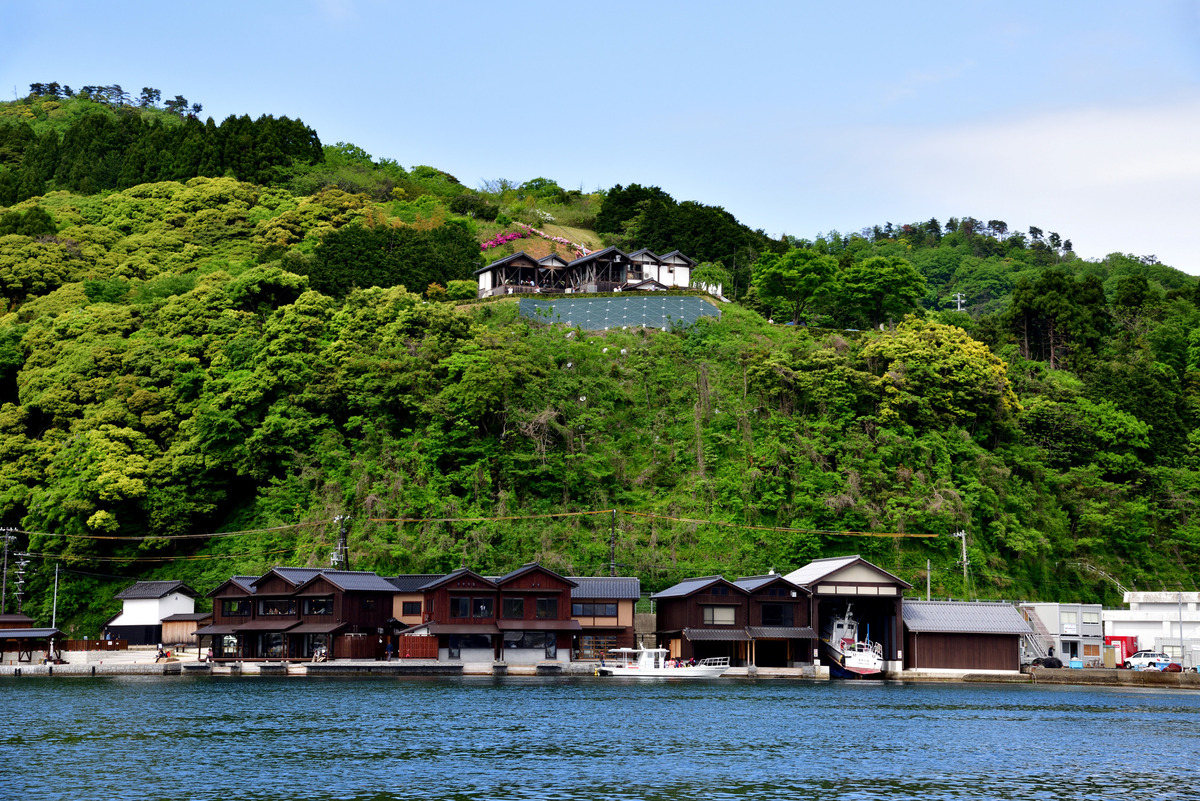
{"type": "Point", "coordinates": [93, 645]}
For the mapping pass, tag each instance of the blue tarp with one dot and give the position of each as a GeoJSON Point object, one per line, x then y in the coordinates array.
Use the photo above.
{"type": "Point", "coordinates": [623, 309]}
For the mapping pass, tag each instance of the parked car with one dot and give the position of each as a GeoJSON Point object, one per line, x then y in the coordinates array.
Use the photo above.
{"type": "Point", "coordinates": [1148, 660]}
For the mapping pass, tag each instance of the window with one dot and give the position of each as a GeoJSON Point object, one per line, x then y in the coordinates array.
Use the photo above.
{"type": "Point", "coordinates": [720, 615]}
{"type": "Point", "coordinates": [270, 644]}
{"type": "Point", "coordinates": [457, 642]}
{"type": "Point", "coordinates": [593, 610]}
{"type": "Point", "coordinates": [1091, 617]}
{"type": "Point", "coordinates": [236, 608]}
{"type": "Point", "coordinates": [777, 592]}
{"type": "Point", "coordinates": [777, 614]}
{"type": "Point", "coordinates": [547, 608]}
{"type": "Point", "coordinates": [411, 608]}
{"type": "Point", "coordinates": [460, 606]}
{"type": "Point", "coordinates": [286, 606]}
{"type": "Point", "coordinates": [1091, 650]}
{"type": "Point", "coordinates": [546, 641]}
{"type": "Point", "coordinates": [368, 604]}
{"type": "Point", "coordinates": [719, 591]}
{"type": "Point", "coordinates": [514, 608]}
{"type": "Point", "coordinates": [318, 606]}
{"type": "Point", "coordinates": [1067, 617]}
{"type": "Point", "coordinates": [593, 646]}
{"type": "Point", "coordinates": [484, 607]}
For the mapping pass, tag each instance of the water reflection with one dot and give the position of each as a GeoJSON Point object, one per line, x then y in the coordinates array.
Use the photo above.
{"type": "Point", "coordinates": [277, 738]}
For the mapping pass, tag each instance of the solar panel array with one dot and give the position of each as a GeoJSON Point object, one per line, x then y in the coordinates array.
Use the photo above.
{"type": "Point", "coordinates": [599, 314]}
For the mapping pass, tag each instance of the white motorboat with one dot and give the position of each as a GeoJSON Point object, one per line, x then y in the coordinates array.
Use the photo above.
{"type": "Point", "coordinates": [848, 655]}
{"type": "Point", "coordinates": [656, 663]}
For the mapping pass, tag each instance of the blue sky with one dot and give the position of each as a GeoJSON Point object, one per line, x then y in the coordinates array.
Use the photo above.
{"type": "Point", "coordinates": [1077, 117]}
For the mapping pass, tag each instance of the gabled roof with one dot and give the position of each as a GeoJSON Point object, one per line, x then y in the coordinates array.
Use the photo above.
{"type": "Point", "coordinates": [614, 587]}
{"type": "Point", "coordinates": [647, 284]}
{"type": "Point", "coordinates": [755, 583]}
{"type": "Point", "coordinates": [963, 617]}
{"type": "Point", "coordinates": [528, 568]}
{"type": "Point", "coordinates": [183, 617]}
{"type": "Point", "coordinates": [644, 252]}
{"type": "Point", "coordinates": [692, 586]}
{"type": "Point", "coordinates": [454, 576]}
{"type": "Point", "coordinates": [553, 257]}
{"type": "Point", "coordinates": [501, 262]}
{"type": "Point", "coordinates": [820, 569]}
{"type": "Point", "coordinates": [600, 254]}
{"type": "Point", "coordinates": [155, 589]}
{"type": "Point", "coordinates": [355, 581]}
{"type": "Point", "coordinates": [413, 582]}
{"type": "Point", "coordinates": [666, 256]}
{"type": "Point", "coordinates": [292, 575]}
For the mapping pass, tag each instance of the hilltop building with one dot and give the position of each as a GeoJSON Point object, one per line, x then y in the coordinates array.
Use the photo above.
{"type": "Point", "coordinates": [608, 270]}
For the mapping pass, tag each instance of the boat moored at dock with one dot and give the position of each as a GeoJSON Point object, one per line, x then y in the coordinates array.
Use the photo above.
{"type": "Point", "coordinates": [656, 663]}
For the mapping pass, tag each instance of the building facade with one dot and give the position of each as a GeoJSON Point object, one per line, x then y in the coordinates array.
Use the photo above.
{"type": "Point", "coordinates": [607, 270]}
{"type": "Point", "coordinates": [144, 606]}
{"type": "Point", "coordinates": [1161, 621]}
{"type": "Point", "coordinates": [1066, 631]}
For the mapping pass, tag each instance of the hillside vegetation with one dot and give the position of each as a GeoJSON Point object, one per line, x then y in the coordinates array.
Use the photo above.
{"type": "Point", "coordinates": [270, 338]}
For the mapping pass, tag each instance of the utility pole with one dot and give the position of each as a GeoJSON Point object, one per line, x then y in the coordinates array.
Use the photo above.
{"type": "Point", "coordinates": [341, 554]}
{"type": "Point", "coordinates": [1182, 655]}
{"type": "Point", "coordinates": [8, 538]}
{"type": "Point", "coordinates": [959, 297]}
{"type": "Point", "coordinates": [962, 535]}
{"type": "Point", "coordinates": [22, 561]}
{"type": "Point", "coordinates": [612, 545]}
{"type": "Point", "coordinates": [928, 570]}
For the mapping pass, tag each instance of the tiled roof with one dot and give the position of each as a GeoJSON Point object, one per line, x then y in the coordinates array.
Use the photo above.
{"type": "Point", "coordinates": [589, 587]}
{"type": "Point", "coordinates": [413, 582]}
{"type": "Point", "coordinates": [717, 635]}
{"type": "Point", "coordinates": [357, 581]}
{"type": "Point", "coordinates": [963, 617]}
{"type": "Point", "coordinates": [185, 616]}
{"type": "Point", "coordinates": [506, 260]}
{"type": "Point", "coordinates": [245, 582]}
{"type": "Point", "coordinates": [687, 587]}
{"type": "Point", "coordinates": [752, 583]}
{"type": "Point", "coordinates": [781, 632]}
{"type": "Point", "coordinates": [155, 589]}
{"type": "Point", "coordinates": [525, 568]}
{"type": "Point", "coordinates": [295, 575]}
{"type": "Point", "coordinates": [462, 571]}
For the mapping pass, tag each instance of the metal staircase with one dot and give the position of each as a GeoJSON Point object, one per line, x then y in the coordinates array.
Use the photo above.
{"type": "Point", "coordinates": [1037, 645]}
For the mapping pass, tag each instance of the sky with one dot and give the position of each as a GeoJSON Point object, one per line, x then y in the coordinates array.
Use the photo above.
{"type": "Point", "coordinates": [1081, 118]}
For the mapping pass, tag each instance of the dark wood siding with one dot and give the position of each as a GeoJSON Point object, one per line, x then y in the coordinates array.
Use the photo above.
{"type": "Point", "coordinates": [963, 651]}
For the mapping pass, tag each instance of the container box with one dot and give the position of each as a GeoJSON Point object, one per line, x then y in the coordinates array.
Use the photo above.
{"type": "Point", "coordinates": [1127, 646]}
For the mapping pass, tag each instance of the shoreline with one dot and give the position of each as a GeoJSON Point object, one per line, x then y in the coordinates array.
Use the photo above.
{"type": "Point", "coordinates": [137, 662]}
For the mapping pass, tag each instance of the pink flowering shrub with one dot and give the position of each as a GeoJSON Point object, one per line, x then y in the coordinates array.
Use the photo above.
{"type": "Point", "coordinates": [501, 239]}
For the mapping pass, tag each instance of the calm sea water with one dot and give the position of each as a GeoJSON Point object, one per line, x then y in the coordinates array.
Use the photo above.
{"type": "Point", "coordinates": [514, 738]}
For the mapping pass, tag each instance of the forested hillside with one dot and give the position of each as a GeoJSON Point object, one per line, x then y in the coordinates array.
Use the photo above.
{"type": "Point", "coordinates": [232, 328]}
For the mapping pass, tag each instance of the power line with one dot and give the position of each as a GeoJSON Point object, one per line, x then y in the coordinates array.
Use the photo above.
{"type": "Point", "coordinates": [172, 537]}
{"type": "Point", "coordinates": [179, 557]}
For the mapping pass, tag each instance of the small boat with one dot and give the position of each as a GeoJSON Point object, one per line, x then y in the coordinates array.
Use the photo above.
{"type": "Point", "coordinates": [848, 655]}
{"type": "Point", "coordinates": [656, 663]}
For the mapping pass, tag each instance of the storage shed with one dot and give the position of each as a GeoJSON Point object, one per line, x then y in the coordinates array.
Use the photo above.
{"type": "Point", "coordinates": [962, 635]}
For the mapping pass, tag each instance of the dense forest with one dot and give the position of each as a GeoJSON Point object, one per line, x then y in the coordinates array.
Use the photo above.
{"type": "Point", "coordinates": [219, 338]}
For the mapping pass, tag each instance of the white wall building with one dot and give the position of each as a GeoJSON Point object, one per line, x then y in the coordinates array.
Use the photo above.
{"type": "Point", "coordinates": [1156, 618]}
{"type": "Point", "coordinates": [144, 605]}
{"type": "Point", "coordinates": [1074, 631]}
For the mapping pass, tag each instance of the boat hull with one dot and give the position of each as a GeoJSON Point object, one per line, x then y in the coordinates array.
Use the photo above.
{"type": "Point", "coordinates": [697, 672]}
{"type": "Point", "coordinates": [851, 665]}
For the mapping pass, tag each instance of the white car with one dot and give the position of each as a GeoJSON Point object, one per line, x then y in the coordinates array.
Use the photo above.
{"type": "Point", "coordinates": [1148, 660]}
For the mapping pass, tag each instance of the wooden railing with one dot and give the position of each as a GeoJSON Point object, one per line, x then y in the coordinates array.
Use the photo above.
{"type": "Point", "coordinates": [93, 645]}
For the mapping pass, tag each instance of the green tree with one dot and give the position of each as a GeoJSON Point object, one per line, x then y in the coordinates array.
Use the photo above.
{"type": "Point", "coordinates": [795, 280]}
{"type": "Point", "coordinates": [880, 288]}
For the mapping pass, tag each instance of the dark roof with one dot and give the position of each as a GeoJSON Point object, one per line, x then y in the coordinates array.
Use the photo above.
{"type": "Point", "coordinates": [185, 616]}
{"type": "Point", "coordinates": [666, 256]}
{"type": "Point", "coordinates": [781, 632]}
{"type": "Point", "coordinates": [552, 257]}
{"type": "Point", "coordinates": [28, 634]}
{"type": "Point", "coordinates": [527, 568]}
{"type": "Point", "coordinates": [643, 284]}
{"type": "Point", "coordinates": [539, 625]}
{"type": "Point", "coordinates": [718, 635]}
{"type": "Point", "coordinates": [644, 252]}
{"type": "Point", "coordinates": [462, 571]}
{"type": "Point", "coordinates": [413, 582]}
{"type": "Point", "coordinates": [963, 617]}
{"type": "Point", "coordinates": [506, 260]}
{"type": "Point", "coordinates": [292, 575]}
{"type": "Point", "coordinates": [6, 621]}
{"type": "Point", "coordinates": [598, 254]}
{"type": "Point", "coordinates": [752, 583]}
{"type": "Point", "coordinates": [589, 587]}
{"type": "Point", "coordinates": [155, 589]}
{"type": "Point", "coordinates": [691, 586]}
{"type": "Point", "coordinates": [355, 581]}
